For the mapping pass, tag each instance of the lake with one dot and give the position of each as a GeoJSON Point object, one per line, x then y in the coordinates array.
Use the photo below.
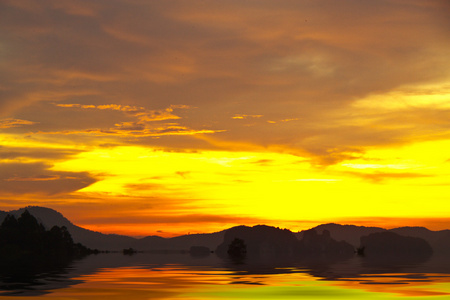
{"type": "Point", "coordinates": [181, 276]}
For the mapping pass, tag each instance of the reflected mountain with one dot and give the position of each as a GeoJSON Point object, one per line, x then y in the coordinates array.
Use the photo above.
{"type": "Point", "coordinates": [251, 272]}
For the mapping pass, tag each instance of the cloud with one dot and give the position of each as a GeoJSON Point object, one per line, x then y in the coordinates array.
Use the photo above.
{"type": "Point", "coordinates": [143, 186]}
{"type": "Point", "coordinates": [143, 114]}
{"type": "Point", "coordinates": [183, 174]}
{"type": "Point", "coordinates": [162, 218]}
{"type": "Point", "coordinates": [38, 178]}
{"type": "Point", "coordinates": [263, 162]}
{"type": "Point", "coordinates": [10, 123]}
{"type": "Point", "coordinates": [118, 107]}
{"type": "Point", "coordinates": [379, 177]}
{"type": "Point", "coordinates": [15, 153]}
{"type": "Point", "coordinates": [130, 130]}
{"type": "Point", "coordinates": [147, 123]}
{"type": "Point", "coordinates": [260, 58]}
{"type": "Point", "coordinates": [241, 116]}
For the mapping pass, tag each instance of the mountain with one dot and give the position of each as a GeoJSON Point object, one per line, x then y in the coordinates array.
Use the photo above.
{"type": "Point", "coordinates": [114, 242]}
{"type": "Point", "coordinates": [349, 233]}
{"type": "Point", "coordinates": [260, 241]}
{"type": "Point", "coordinates": [439, 240]}
{"type": "Point", "coordinates": [315, 244]}
{"type": "Point", "coordinates": [390, 246]}
{"type": "Point", "coordinates": [92, 239]}
{"type": "Point", "coordinates": [210, 240]}
{"type": "Point", "coordinates": [183, 242]}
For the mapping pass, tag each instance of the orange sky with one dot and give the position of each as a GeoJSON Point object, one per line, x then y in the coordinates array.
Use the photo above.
{"type": "Point", "coordinates": [169, 117]}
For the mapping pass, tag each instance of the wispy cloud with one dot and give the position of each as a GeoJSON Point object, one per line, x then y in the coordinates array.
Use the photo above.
{"type": "Point", "coordinates": [241, 116]}
{"type": "Point", "coordinates": [10, 123]}
{"type": "Point", "coordinates": [38, 178]}
{"type": "Point", "coordinates": [36, 153]}
{"type": "Point", "coordinates": [143, 114]}
{"type": "Point", "coordinates": [127, 130]}
{"type": "Point", "coordinates": [147, 123]}
{"type": "Point", "coordinates": [380, 177]}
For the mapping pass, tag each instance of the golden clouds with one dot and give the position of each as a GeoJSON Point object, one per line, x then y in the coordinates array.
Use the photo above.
{"type": "Point", "coordinates": [225, 106]}
{"type": "Point", "coordinates": [140, 112]}
{"type": "Point", "coordinates": [147, 123]}
{"type": "Point", "coordinates": [26, 170]}
{"type": "Point", "coordinates": [426, 96]}
{"type": "Point", "coordinates": [241, 116]}
{"type": "Point", "coordinates": [10, 123]}
{"type": "Point", "coordinates": [38, 178]}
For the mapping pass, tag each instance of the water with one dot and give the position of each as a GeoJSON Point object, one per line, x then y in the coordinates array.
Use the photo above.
{"type": "Point", "coordinates": [180, 276]}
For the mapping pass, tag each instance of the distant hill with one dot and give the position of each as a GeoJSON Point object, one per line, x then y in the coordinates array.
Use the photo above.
{"type": "Point", "coordinates": [388, 244]}
{"type": "Point", "coordinates": [261, 241]}
{"type": "Point", "coordinates": [96, 240]}
{"type": "Point", "coordinates": [439, 240]}
{"type": "Point", "coordinates": [349, 233]}
{"type": "Point", "coordinates": [315, 244]}
{"type": "Point", "coordinates": [183, 242]}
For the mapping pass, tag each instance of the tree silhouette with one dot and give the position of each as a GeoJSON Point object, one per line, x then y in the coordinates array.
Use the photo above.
{"type": "Point", "coordinates": [26, 239]}
{"type": "Point", "coordinates": [237, 249]}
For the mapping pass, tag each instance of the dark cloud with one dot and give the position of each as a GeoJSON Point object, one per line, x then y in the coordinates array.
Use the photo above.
{"type": "Point", "coordinates": [232, 58]}
{"type": "Point", "coordinates": [37, 178]}
{"type": "Point", "coordinates": [36, 153]}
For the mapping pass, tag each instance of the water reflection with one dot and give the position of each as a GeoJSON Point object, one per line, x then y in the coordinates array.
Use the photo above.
{"type": "Point", "coordinates": [169, 276]}
{"type": "Point", "coordinates": [33, 276]}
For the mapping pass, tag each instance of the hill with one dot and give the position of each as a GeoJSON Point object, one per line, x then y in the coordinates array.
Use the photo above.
{"type": "Point", "coordinates": [439, 240]}
{"type": "Point", "coordinates": [92, 239]}
{"type": "Point", "coordinates": [391, 247]}
{"type": "Point", "coordinates": [348, 233]}
{"type": "Point", "coordinates": [260, 241]}
{"type": "Point", "coordinates": [114, 242]}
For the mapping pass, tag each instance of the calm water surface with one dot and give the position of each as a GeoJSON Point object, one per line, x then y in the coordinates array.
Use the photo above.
{"type": "Point", "coordinates": [163, 276]}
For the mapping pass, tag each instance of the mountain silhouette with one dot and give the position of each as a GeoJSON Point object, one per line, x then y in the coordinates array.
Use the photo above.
{"type": "Point", "coordinates": [390, 248]}
{"type": "Point", "coordinates": [261, 241]}
{"type": "Point", "coordinates": [315, 244]}
{"type": "Point", "coordinates": [439, 240]}
{"type": "Point", "coordinates": [114, 242]}
{"type": "Point", "coordinates": [348, 233]}
{"type": "Point", "coordinates": [259, 237]}
{"type": "Point", "coordinates": [91, 239]}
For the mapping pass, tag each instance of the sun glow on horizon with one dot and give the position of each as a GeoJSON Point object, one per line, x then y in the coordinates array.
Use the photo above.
{"type": "Point", "coordinates": [269, 186]}
{"type": "Point", "coordinates": [137, 116]}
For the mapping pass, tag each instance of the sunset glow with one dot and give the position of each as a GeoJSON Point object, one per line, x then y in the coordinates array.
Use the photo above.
{"type": "Point", "coordinates": [168, 118]}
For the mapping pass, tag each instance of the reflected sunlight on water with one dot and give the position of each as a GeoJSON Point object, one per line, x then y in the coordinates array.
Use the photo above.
{"type": "Point", "coordinates": [128, 280]}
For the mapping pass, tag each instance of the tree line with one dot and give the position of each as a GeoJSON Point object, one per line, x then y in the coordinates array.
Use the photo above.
{"type": "Point", "coordinates": [25, 237]}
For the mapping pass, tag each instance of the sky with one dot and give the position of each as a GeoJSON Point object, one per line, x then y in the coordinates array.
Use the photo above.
{"type": "Point", "coordinates": [174, 117]}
